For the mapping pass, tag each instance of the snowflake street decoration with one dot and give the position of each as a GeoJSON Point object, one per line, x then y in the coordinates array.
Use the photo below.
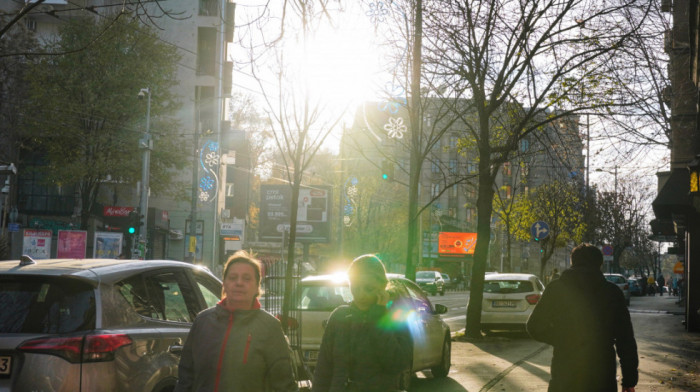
{"type": "Point", "coordinates": [352, 191]}
{"type": "Point", "coordinates": [206, 183]}
{"type": "Point", "coordinates": [212, 159]}
{"type": "Point", "coordinates": [396, 99]}
{"type": "Point", "coordinates": [203, 196]}
{"type": "Point", "coordinates": [377, 12]}
{"type": "Point", "coordinates": [347, 220]}
{"type": "Point", "coordinates": [395, 128]}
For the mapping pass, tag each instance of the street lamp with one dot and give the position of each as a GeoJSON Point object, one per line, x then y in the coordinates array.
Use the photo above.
{"type": "Point", "coordinates": [145, 144]}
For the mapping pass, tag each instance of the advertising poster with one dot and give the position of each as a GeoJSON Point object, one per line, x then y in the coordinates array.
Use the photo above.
{"type": "Point", "coordinates": [72, 244]}
{"type": "Point", "coordinates": [456, 244]}
{"type": "Point", "coordinates": [37, 244]}
{"type": "Point", "coordinates": [107, 245]}
{"type": "Point", "coordinates": [313, 213]}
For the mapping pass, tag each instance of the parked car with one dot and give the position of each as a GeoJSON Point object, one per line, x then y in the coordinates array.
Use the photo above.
{"type": "Point", "coordinates": [509, 300]}
{"type": "Point", "coordinates": [431, 282]}
{"type": "Point", "coordinates": [319, 295]}
{"type": "Point", "coordinates": [448, 282]}
{"type": "Point", "coordinates": [97, 324]}
{"type": "Point", "coordinates": [635, 287]}
{"type": "Point", "coordinates": [621, 282]}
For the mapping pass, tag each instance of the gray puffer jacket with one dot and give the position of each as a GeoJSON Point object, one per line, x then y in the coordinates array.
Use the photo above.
{"type": "Point", "coordinates": [237, 351]}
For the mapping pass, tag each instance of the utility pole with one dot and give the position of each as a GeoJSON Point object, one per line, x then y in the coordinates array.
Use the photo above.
{"type": "Point", "coordinates": [146, 144]}
{"type": "Point", "coordinates": [192, 247]}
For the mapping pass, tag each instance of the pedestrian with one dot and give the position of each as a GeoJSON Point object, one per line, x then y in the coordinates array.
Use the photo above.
{"type": "Point", "coordinates": [585, 319]}
{"type": "Point", "coordinates": [650, 285]}
{"type": "Point", "coordinates": [235, 345]}
{"type": "Point", "coordinates": [554, 276]}
{"type": "Point", "coordinates": [661, 282]}
{"type": "Point", "coordinates": [364, 348]}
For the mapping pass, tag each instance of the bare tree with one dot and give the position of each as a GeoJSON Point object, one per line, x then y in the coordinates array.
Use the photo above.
{"type": "Point", "coordinates": [521, 57]}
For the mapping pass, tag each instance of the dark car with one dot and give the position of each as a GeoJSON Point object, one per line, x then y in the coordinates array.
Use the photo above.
{"type": "Point", "coordinates": [97, 324]}
{"type": "Point", "coordinates": [635, 287]}
{"type": "Point", "coordinates": [431, 282]}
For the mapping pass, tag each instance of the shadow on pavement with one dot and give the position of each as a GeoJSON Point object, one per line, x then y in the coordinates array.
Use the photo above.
{"type": "Point", "coordinates": [435, 384]}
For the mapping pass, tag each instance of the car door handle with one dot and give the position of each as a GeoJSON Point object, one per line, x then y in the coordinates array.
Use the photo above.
{"type": "Point", "coordinates": [175, 349]}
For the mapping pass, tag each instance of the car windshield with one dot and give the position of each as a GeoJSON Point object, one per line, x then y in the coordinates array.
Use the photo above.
{"type": "Point", "coordinates": [508, 286]}
{"type": "Point", "coordinates": [323, 297]}
{"type": "Point", "coordinates": [425, 275]}
{"type": "Point", "coordinates": [31, 305]}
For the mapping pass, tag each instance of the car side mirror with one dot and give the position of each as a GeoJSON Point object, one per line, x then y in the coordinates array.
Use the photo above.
{"type": "Point", "coordinates": [440, 309]}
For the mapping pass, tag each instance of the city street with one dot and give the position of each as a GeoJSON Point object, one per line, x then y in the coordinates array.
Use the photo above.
{"type": "Point", "coordinates": [513, 362]}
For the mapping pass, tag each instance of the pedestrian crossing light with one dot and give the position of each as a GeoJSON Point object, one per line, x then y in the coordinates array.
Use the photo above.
{"type": "Point", "coordinates": [134, 222]}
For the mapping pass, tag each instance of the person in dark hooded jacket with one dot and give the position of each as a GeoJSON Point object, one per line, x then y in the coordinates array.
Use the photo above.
{"type": "Point", "coordinates": [364, 348]}
{"type": "Point", "coordinates": [585, 319]}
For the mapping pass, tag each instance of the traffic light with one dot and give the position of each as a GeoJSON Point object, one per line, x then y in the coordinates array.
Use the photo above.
{"type": "Point", "coordinates": [134, 222]}
{"type": "Point", "coordinates": [387, 170]}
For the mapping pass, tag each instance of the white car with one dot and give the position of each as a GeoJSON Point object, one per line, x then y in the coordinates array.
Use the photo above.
{"type": "Point", "coordinates": [320, 295]}
{"type": "Point", "coordinates": [509, 300]}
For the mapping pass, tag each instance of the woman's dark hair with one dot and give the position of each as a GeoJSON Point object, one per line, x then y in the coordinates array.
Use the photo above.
{"type": "Point", "coordinates": [242, 256]}
{"type": "Point", "coordinates": [587, 255]}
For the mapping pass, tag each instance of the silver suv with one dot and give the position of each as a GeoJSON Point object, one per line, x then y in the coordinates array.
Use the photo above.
{"type": "Point", "coordinates": [97, 324]}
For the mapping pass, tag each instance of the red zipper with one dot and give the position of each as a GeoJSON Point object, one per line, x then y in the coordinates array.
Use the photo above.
{"type": "Point", "coordinates": [247, 346]}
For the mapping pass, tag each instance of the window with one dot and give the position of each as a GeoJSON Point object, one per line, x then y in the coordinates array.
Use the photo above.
{"type": "Point", "coordinates": [434, 168]}
{"type": "Point", "coordinates": [453, 166]}
{"type": "Point", "coordinates": [453, 141]}
{"type": "Point", "coordinates": [210, 289]}
{"type": "Point", "coordinates": [208, 8]}
{"type": "Point", "coordinates": [524, 145]}
{"type": "Point", "coordinates": [472, 167]}
{"type": "Point", "coordinates": [508, 286]}
{"type": "Point", "coordinates": [206, 50]}
{"type": "Point", "coordinates": [436, 190]}
{"type": "Point", "coordinates": [323, 297]}
{"type": "Point", "coordinates": [167, 296]}
{"type": "Point", "coordinates": [507, 169]}
{"type": "Point", "coordinates": [471, 215]}
{"type": "Point", "coordinates": [45, 305]}
{"type": "Point", "coordinates": [453, 191]}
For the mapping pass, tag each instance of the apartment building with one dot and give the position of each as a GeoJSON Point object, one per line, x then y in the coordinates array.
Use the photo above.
{"type": "Point", "coordinates": [199, 31]}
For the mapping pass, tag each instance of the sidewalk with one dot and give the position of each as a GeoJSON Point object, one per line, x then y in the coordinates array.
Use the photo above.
{"type": "Point", "coordinates": [669, 356]}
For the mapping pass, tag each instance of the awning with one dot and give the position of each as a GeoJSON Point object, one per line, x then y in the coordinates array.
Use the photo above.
{"type": "Point", "coordinates": [674, 197]}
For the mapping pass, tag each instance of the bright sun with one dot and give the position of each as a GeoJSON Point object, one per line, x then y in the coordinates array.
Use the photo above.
{"type": "Point", "coordinates": [339, 66]}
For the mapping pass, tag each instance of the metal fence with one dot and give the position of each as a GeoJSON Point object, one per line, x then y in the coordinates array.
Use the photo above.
{"type": "Point", "coordinates": [272, 301]}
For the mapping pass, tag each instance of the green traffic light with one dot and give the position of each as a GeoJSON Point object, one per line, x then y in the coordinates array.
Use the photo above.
{"type": "Point", "coordinates": [132, 230]}
{"type": "Point", "coordinates": [385, 176]}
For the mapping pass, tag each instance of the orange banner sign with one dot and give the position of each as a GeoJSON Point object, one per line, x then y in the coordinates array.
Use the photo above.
{"type": "Point", "coordinates": [456, 244]}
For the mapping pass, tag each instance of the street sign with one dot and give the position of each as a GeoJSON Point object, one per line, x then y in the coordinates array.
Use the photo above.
{"type": "Point", "coordinates": [678, 268]}
{"type": "Point", "coordinates": [607, 250]}
{"type": "Point", "coordinates": [539, 230]}
{"type": "Point", "coordinates": [13, 227]}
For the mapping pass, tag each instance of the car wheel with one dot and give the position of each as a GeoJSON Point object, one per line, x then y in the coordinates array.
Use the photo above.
{"type": "Point", "coordinates": [442, 292]}
{"type": "Point", "coordinates": [443, 368]}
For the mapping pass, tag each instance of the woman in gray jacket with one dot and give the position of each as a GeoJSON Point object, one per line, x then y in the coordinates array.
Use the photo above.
{"type": "Point", "coordinates": [236, 346]}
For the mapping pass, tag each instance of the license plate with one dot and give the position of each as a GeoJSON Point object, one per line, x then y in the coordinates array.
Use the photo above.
{"type": "Point", "coordinates": [5, 365]}
{"type": "Point", "coordinates": [310, 355]}
{"type": "Point", "coordinates": [504, 304]}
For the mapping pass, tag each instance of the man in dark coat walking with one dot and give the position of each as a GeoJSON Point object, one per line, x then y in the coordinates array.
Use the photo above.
{"type": "Point", "coordinates": [586, 320]}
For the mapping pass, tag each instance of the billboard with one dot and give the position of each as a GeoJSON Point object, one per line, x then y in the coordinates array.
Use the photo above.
{"type": "Point", "coordinates": [37, 243]}
{"type": "Point", "coordinates": [107, 245]}
{"type": "Point", "coordinates": [72, 244]}
{"type": "Point", "coordinates": [313, 215]}
{"type": "Point", "coordinates": [456, 244]}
